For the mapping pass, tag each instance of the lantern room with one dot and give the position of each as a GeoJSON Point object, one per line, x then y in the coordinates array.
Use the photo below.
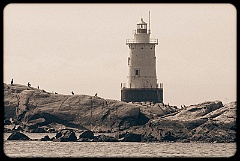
{"type": "Point", "coordinates": [142, 27]}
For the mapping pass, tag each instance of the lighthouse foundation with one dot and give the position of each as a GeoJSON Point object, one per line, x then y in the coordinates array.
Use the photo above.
{"type": "Point", "coordinates": [142, 95]}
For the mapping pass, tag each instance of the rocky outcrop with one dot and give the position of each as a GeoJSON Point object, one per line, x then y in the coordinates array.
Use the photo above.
{"type": "Point", "coordinates": [36, 110]}
{"type": "Point", "coordinates": [205, 122]}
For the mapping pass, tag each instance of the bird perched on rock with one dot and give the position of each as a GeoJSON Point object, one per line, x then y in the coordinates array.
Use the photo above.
{"type": "Point", "coordinates": [72, 93]}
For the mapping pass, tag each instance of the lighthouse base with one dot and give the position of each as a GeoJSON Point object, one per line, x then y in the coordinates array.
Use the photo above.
{"type": "Point", "coordinates": [142, 95]}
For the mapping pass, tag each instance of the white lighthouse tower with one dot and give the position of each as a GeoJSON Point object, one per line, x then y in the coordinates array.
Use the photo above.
{"type": "Point", "coordinates": [142, 80]}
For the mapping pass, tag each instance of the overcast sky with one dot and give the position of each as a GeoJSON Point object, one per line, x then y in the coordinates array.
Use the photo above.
{"type": "Point", "coordinates": [82, 48]}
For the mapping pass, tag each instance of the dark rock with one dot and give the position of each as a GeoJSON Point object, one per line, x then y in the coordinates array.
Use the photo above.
{"type": "Point", "coordinates": [18, 136]}
{"type": "Point", "coordinates": [130, 137]}
{"type": "Point", "coordinates": [17, 128]}
{"type": "Point", "coordinates": [7, 122]}
{"type": "Point", "coordinates": [65, 135]}
{"type": "Point", "coordinates": [104, 138]}
{"type": "Point", "coordinates": [45, 138]}
{"type": "Point", "coordinates": [58, 135]}
{"type": "Point", "coordinates": [169, 137]}
{"type": "Point", "coordinates": [142, 119]}
{"type": "Point", "coordinates": [87, 134]}
{"type": "Point", "coordinates": [149, 138]}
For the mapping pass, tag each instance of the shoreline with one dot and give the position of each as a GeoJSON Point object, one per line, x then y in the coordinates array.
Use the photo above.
{"type": "Point", "coordinates": [41, 135]}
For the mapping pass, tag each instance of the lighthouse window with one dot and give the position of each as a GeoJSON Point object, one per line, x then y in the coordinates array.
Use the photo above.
{"type": "Point", "coordinates": [137, 72]}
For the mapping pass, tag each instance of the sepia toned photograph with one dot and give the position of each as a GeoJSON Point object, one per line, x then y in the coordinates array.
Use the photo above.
{"type": "Point", "coordinates": [119, 80]}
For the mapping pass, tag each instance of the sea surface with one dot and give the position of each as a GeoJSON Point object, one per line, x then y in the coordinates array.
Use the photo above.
{"type": "Point", "coordinates": [49, 149]}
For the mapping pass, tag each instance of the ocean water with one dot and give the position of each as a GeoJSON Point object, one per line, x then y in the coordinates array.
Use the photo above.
{"type": "Point", "coordinates": [49, 149]}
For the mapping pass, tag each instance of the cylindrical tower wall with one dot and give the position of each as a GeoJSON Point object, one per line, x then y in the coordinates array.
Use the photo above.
{"type": "Point", "coordinates": [142, 66]}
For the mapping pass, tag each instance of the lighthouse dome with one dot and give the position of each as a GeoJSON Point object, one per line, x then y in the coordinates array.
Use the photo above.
{"type": "Point", "coordinates": [142, 22]}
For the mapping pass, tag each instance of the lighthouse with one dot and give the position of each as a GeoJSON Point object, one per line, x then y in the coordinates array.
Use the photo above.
{"type": "Point", "coordinates": [142, 85]}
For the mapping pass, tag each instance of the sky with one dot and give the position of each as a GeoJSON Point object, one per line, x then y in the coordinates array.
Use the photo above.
{"type": "Point", "coordinates": [81, 47]}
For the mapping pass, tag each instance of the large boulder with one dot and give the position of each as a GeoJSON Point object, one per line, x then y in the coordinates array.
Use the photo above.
{"type": "Point", "coordinates": [18, 136]}
{"type": "Point", "coordinates": [86, 134]}
{"type": "Point", "coordinates": [7, 122]}
{"type": "Point", "coordinates": [130, 137]}
{"type": "Point", "coordinates": [66, 135]}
